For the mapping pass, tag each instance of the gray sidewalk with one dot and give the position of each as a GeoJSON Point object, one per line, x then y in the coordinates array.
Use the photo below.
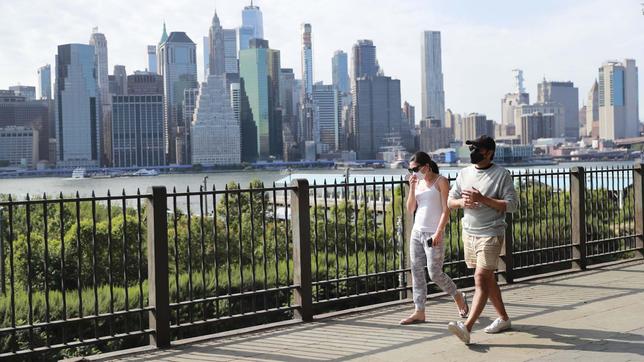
{"type": "Point", "coordinates": [593, 315]}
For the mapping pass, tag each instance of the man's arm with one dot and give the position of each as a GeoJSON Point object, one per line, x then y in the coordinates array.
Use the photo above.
{"type": "Point", "coordinates": [507, 202]}
{"type": "Point", "coordinates": [455, 201]}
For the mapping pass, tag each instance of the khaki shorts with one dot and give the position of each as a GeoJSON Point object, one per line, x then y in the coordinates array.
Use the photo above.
{"type": "Point", "coordinates": [482, 251]}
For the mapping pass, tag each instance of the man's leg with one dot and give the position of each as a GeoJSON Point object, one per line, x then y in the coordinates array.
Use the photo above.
{"type": "Point", "coordinates": [496, 299]}
{"type": "Point", "coordinates": [482, 290]}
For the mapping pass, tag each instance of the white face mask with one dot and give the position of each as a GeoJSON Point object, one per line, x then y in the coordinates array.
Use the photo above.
{"type": "Point", "coordinates": [419, 174]}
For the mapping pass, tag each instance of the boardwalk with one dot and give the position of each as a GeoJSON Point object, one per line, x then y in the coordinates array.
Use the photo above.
{"type": "Point", "coordinates": [593, 315]}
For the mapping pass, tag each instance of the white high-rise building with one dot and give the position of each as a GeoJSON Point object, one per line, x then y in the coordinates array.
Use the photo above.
{"type": "Point", "coordinates": [511, 100]}
{"type": "Point", "coordinates": [307, 60]}
{"type": "Point", "coordinates": [592, 112]}
{"type": "Point", "coordinates": [215, 129]}
{"type": "Point", "coordinates": [618, 100]}
{"type": "Point", "coordinates": [78, 123]}
{"type": "Point", "coordinates": [44, 82]}
{"type": "Point", "coordinates": [99, 42]}
{"type": "Point", "coordinates": [433, 95]}
{"type": "Point", "coordinates": [252, 17]}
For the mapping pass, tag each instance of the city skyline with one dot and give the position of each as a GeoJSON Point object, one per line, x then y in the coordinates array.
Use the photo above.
{"type": "Point", "coordinates": [559, 40]}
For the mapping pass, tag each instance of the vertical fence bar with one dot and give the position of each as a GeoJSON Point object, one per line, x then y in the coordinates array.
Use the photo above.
{"type": "Point", "coordinates": [407, 225]}
{"type": "Point", "coordinates": [302, 249]}
{"type": "Point", "coordinates": [158, 285]}
{"type": "Point", "coordinates": [506, 262]}
{"type": "Point", "coordinates": [638, 185]}
{"type": "Point", "coordinates": [577, 198]}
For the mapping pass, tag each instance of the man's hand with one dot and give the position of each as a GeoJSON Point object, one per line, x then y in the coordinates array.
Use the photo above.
{"type": "Point", "coordinates": [473, 196]}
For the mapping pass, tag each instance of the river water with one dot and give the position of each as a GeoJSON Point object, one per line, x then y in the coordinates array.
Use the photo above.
{"type": "Point", "coordinates": [53, 186]}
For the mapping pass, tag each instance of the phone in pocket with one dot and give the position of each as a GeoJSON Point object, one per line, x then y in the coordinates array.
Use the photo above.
{"type": "Point", "coordinates": [429, 242]}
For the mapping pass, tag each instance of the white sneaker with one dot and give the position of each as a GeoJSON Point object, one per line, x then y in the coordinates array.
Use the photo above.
{"type": "Point", "coordinates": [459, 330]}
{"type": "Point", "coordinates": [499, 325]}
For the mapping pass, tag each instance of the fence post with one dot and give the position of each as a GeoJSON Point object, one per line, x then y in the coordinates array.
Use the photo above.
{"type": "Point", "coordinates": [408, 224]}
{"type": "Point", "coordinates": [300, 221]}
{"type": "Point", "coordinates": [578, 214]}
{"type": "Point", "coordinates": [638, 186]}
{"type": "Point", "coordinates": [506, 262]}
{"type": "Point", "coordinates": [158, 287]}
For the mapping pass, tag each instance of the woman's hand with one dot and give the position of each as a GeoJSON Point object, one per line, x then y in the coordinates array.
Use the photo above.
{"type": "Point", "coordinates": [437, 238]}
{"type": "Point", "coordinates": [413, 179]}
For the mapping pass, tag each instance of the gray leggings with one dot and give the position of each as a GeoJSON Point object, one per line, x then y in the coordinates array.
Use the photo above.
{"type": "Point", "coordinates": [420, 255]}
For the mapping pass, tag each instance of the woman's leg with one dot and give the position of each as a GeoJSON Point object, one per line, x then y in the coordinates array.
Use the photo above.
{"type": "Point", "coordinates": [418, 260]}
{"type": "Point", "coordinates": [435, 258]}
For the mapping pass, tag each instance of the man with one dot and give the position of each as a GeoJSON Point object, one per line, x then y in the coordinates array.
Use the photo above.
{"type": "Point", "coordinates": [486, 192]}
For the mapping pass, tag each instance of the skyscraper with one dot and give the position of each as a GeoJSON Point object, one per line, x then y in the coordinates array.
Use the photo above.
{"type": "Point", "coordinates": [44, 82]}
{"type": "Point", "coordinates": [433, 95]}
{"type": "Point", "coordinates": [307, 60]}
{"type": "Point", "coordinates": [289, 98]}
{"type": "Point", "coordinates": [206, 56]}
{"type": "Point", "coordinates": [78, 123]}
{"type": "Point", "coordinates": [592, 112]}
{"type": "Point", "coordinates": [178, 66]}
{"type": "Point", "coordinates": [364, 60]}
{"type": "Point", "coordinates": [217, 58]}
{"type": "Point", "coordinates": [340, 76]}
{"type": "Point", "coordinates": [215, 129]}
{"type": "Point", "coordinates": [511, 100]}
{"type": "Point", "coordinates": [327, 108]}
{"type": "Point", "coordinates": [137, 126]}
{"type": "Point", "coordinates": [99, 42]}
{"type": "Point", "coordinates": [245, 34]}
{"type": "Point", "coordinates": [618, 100]}
{"type": "Point", "coordinates": [376, 114]}
{"type": "Point", "coordinates": [566, 94]}
{"type": "Point", "coordinates": [252, 18]}
{"type": "Point", "coordinates": [259, 67]}
{"type": "Point", "coordinates": [152, 59]}
{"type": "Point", "coordinates": [230, 51]}
{"type": "Point", "coordinates": [309, 128]}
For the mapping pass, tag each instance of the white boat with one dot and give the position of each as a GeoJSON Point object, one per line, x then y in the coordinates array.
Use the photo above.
{"type": "Point", "coordinates": [78, 173]}
{"type": "Point", "coordinates": [144, 172]}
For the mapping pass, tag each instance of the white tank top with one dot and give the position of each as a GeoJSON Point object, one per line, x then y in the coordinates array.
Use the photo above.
{"type": "Point", "coordinates": [428, 208]}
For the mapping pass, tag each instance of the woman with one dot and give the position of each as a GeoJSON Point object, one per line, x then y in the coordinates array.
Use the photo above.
{"type": "Point", "coordinates": [428, 199]}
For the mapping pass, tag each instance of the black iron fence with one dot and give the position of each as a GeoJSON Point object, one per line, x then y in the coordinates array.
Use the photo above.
{"type": "Point", "coordinates": [81, 275]}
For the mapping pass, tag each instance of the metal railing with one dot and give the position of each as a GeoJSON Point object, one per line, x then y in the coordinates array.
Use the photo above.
{"type": "Point", "coordinates": [109, 272]}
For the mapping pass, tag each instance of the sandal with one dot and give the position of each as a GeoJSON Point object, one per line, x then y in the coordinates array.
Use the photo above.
{"type": "Point", "coordinates": [464, 313]}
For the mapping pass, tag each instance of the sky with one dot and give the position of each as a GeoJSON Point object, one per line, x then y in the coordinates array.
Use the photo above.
{"type": "Point", "coordinates": [482, 41]}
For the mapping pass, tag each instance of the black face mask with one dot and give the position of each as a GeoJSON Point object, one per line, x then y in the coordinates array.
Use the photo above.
{"type": "Point", "coordinates": [476, 156]}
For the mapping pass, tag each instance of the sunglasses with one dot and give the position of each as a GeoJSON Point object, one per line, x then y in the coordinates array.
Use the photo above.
{"type": "Point", "coordinates": [415, 169]}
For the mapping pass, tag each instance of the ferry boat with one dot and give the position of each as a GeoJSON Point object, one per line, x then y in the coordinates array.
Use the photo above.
{"type": "Point", "coordinates": [144, 172]}
{"type": "Point", "coordinates": [78, 173]}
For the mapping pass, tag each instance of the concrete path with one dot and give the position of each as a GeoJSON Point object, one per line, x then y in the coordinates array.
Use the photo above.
{"type": "Point", "coordinates": [596, 315]}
